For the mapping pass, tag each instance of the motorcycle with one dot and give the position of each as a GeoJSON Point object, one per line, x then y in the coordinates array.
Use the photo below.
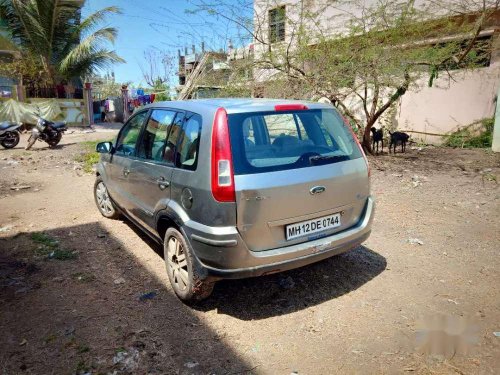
{"type": "Point", "coordinates": [47, 131]}
{"type": "Point", "coordinates": [9, 134]}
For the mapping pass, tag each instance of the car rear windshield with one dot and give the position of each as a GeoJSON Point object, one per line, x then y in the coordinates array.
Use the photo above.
{"type": "Point", "coordinates": [275, 141]}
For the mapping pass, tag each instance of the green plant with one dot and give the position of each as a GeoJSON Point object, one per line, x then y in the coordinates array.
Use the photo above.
{"type": "Point", "coordinates": [61, 45]}
{"type": "Point", "coordinates": [82, 367]}
{"type": "Point", "coordinates": [471, 136]}
{"type": "Point", "coordinates": [82, 348]}
{"type": "Point", "coordinates": [50, 338]}
{"type": "Point", "coordinates": [44, 240]}
{"type": "Point", "coordinates": [379, 51]}
{"type": "Point", "coordinates": [89, 157]}
{"type": "Point", "coordinates": [49, 247]}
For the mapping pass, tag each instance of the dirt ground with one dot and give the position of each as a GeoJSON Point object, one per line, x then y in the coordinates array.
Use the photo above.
{"type": "Point", "coordinates": [90, 295]}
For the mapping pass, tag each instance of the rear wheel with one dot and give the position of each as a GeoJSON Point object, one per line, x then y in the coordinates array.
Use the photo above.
{"type": "Point", "coordinates": [55, 141]}
{"type": "Point", "coordinates": [11, 139]}
{"type": "Point", "coordinates": [31, 142]}
{"type": "Point", "coordinates": [184, 276]}
{"type": "Point", "coordinates": [103, 201]}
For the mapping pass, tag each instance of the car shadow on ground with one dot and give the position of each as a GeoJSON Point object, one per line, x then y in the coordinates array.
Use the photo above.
{"type": "Point", "coordinates": [75, 299]}
{"type": "Point", "coordinates": [290, 291]}
{"type": "Point", "coordinates": [294, 290]}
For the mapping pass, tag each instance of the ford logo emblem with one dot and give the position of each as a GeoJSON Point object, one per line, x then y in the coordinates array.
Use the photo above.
{"type": "Point", "coordinates": [317, 189]}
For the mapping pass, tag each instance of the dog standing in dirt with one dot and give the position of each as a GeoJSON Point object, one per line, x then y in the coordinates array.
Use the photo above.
{"type": "Point", "coordinates": [398, 137]}
{"type": "Point", "coordinates": [377, 137]}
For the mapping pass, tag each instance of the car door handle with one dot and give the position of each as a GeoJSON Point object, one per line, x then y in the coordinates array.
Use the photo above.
{"type": "Point", "coordinates": [126, 172]}
{"type": "Point", "coordinates": [162, 183]}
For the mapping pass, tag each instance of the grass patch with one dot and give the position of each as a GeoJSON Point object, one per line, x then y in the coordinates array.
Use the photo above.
{"type": "Point", "coordinates": [50, 339]}
{"type": "Point", "coordinates": [89, 157]}
{"type": "Point", "coordinates": [44, 239]}
{"type": "Point", "coordinates": [48, 247]}
{"type": "Point", "coordinates": [477, 135]}
{"type": "Point", "coordinates": [82, 348]}
{"type": "Point", "coordinates": [62, 254]}
{"type": "Point", "coordinates": [82, 367]}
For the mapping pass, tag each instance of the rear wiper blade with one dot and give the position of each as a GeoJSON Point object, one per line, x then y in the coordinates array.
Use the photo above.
{"type": "Point", "coordinates": [321, 158]}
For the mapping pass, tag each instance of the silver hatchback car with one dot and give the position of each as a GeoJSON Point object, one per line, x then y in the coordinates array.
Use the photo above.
{"type": "Point", "coordinates": [235, 188]}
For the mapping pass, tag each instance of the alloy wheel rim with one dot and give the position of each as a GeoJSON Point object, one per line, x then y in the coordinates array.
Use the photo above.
{"type": "Point", "coordinates": [103, 200]}
{"type": "Point", "coordinates": [177, 263]}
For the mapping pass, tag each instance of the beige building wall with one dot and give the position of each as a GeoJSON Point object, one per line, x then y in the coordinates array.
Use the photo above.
{"type": "Point", "coordinates": [449, 105]}
{"type": "Point", "coordinates": [441, 109]}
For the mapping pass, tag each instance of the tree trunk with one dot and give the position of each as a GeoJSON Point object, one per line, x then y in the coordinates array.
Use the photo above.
{"type": "Point", "coordinates": [367, 143]}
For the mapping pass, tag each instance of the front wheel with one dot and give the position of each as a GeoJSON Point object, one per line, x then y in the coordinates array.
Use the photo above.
{"type": "Point", "coordinates": [55, 141]}
{"type": "Point", "coordinates": [186, 279]}
{"type": "Point", "coordinates": [103, 201]}
{"type": "Point", "coordinates": [31, 142]}
{"type": "Point", "coordinates": [11, 139]}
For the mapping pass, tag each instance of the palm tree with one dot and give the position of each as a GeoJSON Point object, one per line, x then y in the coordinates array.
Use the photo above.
{"type": "Point", "coordinates": [51, 31]}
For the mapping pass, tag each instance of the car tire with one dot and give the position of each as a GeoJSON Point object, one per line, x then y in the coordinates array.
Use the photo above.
{"type": "Point", "coordinates": [183, 272]}
{"type": "Point", "coordinates": [103, 201]}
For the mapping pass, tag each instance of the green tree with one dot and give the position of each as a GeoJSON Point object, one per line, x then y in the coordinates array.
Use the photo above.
{"type": "Point", "coordinates": [163, 90]}
{"type": "Point", "coordinates": [367, 59]}
{"type": "Point", "coordinates": [52, 32]}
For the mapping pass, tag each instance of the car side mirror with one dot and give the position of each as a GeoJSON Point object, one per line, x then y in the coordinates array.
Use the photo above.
{"type": "Point", "coordinates": [104, 147]}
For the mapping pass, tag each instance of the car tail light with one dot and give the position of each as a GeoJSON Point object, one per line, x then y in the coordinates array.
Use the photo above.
{"type": "Point", "coordinates": [359, 144]}
{"type": "Point", "coordinates": [222, 160]}
{"type": "Point", "coordinates": [290, 107]}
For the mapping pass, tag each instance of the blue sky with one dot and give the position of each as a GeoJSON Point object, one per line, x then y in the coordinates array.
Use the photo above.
{"type": "Point", "coordinates": [160, 24]}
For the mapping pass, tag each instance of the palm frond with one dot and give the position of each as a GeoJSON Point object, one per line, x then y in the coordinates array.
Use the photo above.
{"type": "Point", "coordinates": [52, 31]}
{"type": "Point", "coordinates": [91, 21]}
{"type": "Point", "coordinates": [87, 63]}
{"type": "Point", "coordinates": [108, 34]}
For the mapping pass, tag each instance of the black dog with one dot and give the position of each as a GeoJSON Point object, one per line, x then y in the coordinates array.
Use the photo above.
{"type": "Point", "coordinates": [377, 136]}
{"type": "Point", "coordinates": [397, 137]}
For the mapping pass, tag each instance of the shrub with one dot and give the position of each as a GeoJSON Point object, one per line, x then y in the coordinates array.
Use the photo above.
{"type": "Point", "coordinates": [477, 135]}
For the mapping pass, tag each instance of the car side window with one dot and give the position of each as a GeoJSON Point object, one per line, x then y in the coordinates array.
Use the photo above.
{"type": "Point", "coordinates": [189, 143]}
{"type": "Point", "coordinates": [129, 135]}
{"type": "Point", "coordinates": [153, 141]}
{"type": "Point", "coordinates": [173, 138]}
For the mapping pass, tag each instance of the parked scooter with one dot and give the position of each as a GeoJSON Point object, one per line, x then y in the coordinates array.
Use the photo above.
{"type": "Point", "coordinates": [47, 131]}
{"type": "Point", "coordinates": [9, 134]}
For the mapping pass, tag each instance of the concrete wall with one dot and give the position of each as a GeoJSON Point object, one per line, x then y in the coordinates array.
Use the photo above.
{"type": "Point", "coordinates": [449, 105]}
{"type": "Point", "coordinates": [441, 109]}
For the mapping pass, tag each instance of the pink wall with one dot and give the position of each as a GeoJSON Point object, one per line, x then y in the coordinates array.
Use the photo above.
{"type": "Point", "coordinates": [449, 105]}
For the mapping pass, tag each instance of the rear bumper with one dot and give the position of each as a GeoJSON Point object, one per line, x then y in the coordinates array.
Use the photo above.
{"type": "Point", "coordinates": [222, 252]}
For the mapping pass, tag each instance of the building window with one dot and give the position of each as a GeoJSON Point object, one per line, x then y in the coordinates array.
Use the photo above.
{"type": "Point", "coordinates": [277, 24]}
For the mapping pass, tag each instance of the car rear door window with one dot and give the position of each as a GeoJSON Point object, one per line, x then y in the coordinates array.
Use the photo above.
{"type": "Point", "coordinates": [189, 142]}
{"type": "Point", "coordinates": [129, 135]}
{"type": "Point", "coordinates": [153, 141]}
{"type": "Point", "coordinates": [273, 141]}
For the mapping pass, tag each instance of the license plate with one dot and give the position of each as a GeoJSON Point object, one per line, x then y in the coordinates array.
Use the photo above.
{"type": "Point", "coordinates": [305, 228]}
